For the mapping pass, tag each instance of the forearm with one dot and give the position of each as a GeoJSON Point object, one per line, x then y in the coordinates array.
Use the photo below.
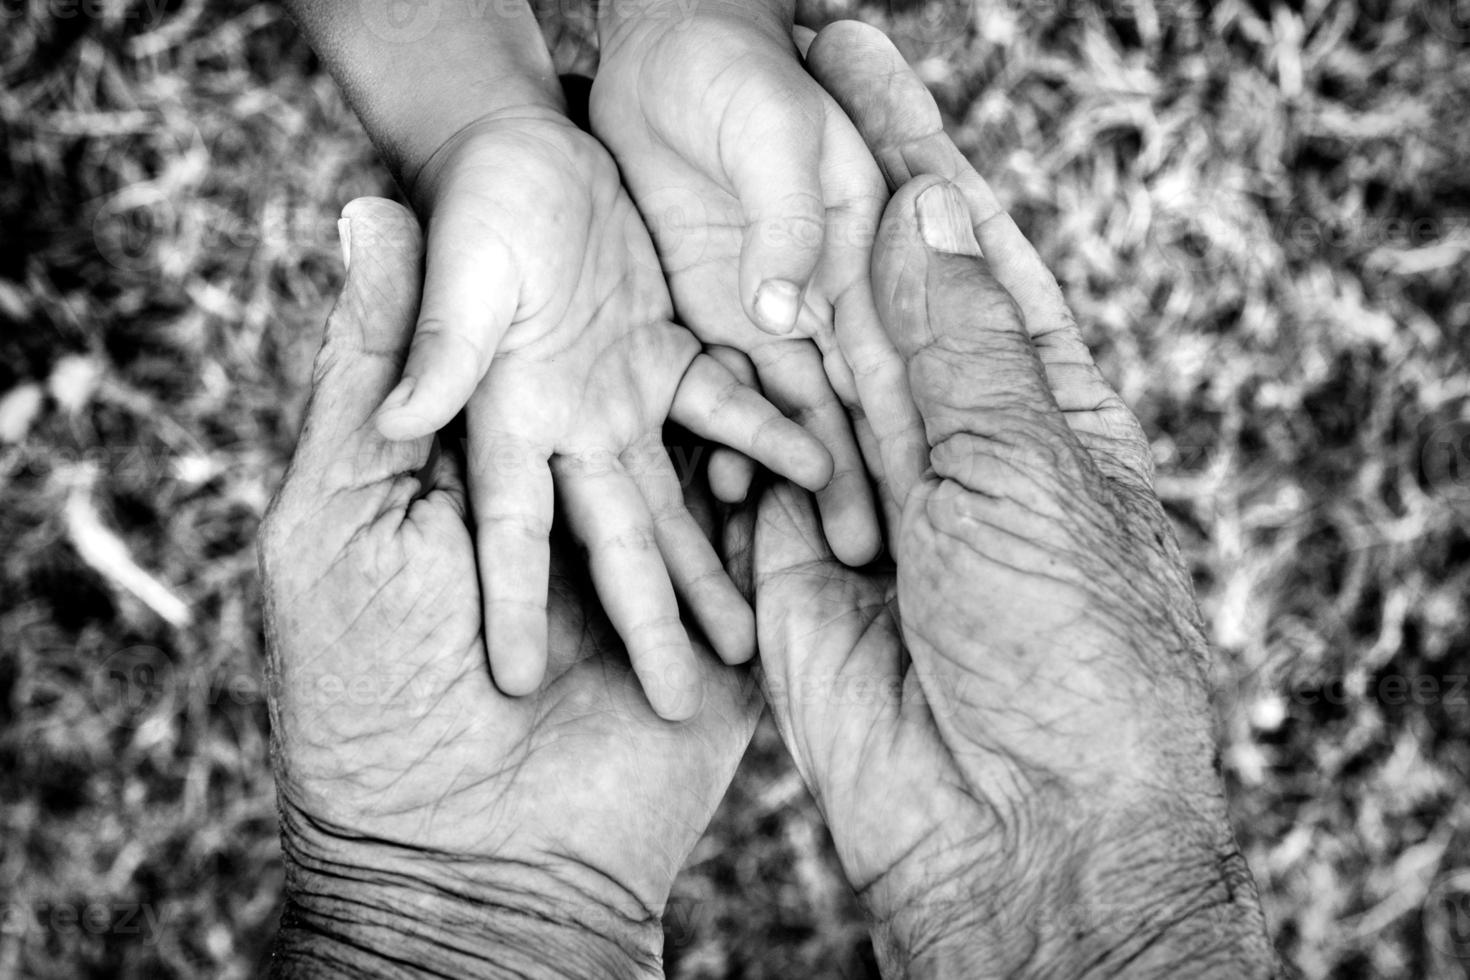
{"type": "Point", "coordinates": [361, 910]}
{"type": "Point", "coordinates": [417, 73]}
{"type": "Point", "coordinates": [616, 17]}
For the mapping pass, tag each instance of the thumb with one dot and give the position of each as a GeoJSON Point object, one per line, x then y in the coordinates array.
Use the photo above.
{"type": "Point", "coordinates": [972, 368]}
{"type": "Point", "coordinates": [775, 172]}
{"type": "Point", "coordinates": [362, 352]}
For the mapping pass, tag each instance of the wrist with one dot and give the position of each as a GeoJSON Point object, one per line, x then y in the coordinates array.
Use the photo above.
{"type": "Point", "coordinates": [1137, 896]}
{"type": "Point", "coordinates": [620, 21]}
{"type": "Point", "coordinates": [425, 183]}
{"type": "Point", "coordinates": [415, 74]}
{"type": "Point", "coordinates": [358, 908]}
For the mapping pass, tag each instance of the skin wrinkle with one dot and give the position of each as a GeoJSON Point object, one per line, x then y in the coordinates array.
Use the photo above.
{"type": "Point", "coordinates": [1043, 817]}
{"type": "Point", "coordinates": [967, 546]}
{"type": "Point", "coordinates": [480, 901]}
{"type": "Point", "coordinates": [994, 448]}
{"type": "Point", "coordinates": [1149, 936]}
{"type": "Point", "coordinates": [1091, 530]}
{"type": "Point", "coordinates": [315, 927]}
{"type": "Point", "coordinates": [450, 942]}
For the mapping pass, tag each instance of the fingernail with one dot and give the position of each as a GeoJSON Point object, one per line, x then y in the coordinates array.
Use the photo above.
{"type": "Point", "coordinates": [777, 304]}
{"type": "Point", "coordinates": [398, 397]}
{"type": "Point", "coordinates": [944, 221]}
{"type": "Point", "coordinates": [344, 235]}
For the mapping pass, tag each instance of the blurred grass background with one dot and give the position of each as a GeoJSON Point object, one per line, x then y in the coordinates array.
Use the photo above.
{"type": "Point", "coordinates": [1260, 210]}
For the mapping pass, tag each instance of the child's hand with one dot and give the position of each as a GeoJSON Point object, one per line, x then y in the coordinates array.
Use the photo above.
{"type": "Point", "coordinates": [763, 201]}
{"type": "Point", "coordinates": [545, 307]}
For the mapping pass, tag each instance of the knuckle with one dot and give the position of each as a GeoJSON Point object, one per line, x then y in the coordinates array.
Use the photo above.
{"type": "Point", "coordinates": [657, 633]}
{"type": "Point", "coordinates": [771, 431]}
{"type": "Point", "coordinates": [725, 397]}
{"type": "Point", "coordinates": [530, 527]}
{"type": "Point", "coordinates": [433, 332]}
{"type": "Point", "coordinates": [707, 582]}
{"type": "Point", "coordinates": [628, 540]}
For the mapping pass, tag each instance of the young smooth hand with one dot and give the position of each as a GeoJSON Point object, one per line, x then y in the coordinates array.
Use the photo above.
{"type": "Point", "coordinates": [763, 201]}
{"type": "Point", "coordinates": [545, 309]}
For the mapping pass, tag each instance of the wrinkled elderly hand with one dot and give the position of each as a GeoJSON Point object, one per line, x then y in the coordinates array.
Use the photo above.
{"type": "Point", "coordinates": [1009, 736]}
{"type": "Point", "coordinates": [429, 821]}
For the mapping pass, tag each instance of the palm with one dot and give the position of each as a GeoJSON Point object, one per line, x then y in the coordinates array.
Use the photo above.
{"type": "Point", "coordinates": [866, 726]}
{"type": "Point", "coordinates": [677, 153]}
{"type": "Point", "coordinates": [706, 166]}
{"type": "Point", "coordinates": [581, 384]}
{"type": "Point", "coordinates": [913, 684]}
{"type": "Point", "coordinates": [592, 365]}
{"type": "Point", "coordinates": [435, 758]}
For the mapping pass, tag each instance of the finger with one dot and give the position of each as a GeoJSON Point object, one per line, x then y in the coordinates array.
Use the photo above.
{"type": "Point", "coordinates": [820, 328]}
{"type": "Point", "coordinates": [730, 473]}
{"type": "Point", "coordinates": [776, 146]}
{"type": "Point", "coordinates": [946, 313]}
{"type": "Point", "coordinates": [898, 454]}
{"type": "Point", "coordinates": [785, 537]}
{"type": "Point", "coordinates": [868, 442]}
{"type": "Point", "coordinates": [854, 193]}
{"type": "Point", "coordinates": [512, 499]}
{"type": "Point", "coordinates": [443, 483]}
{"type": "Point", "coordinates": [975, 378]}
{"type": "Point", "coordinates": [471, 290]}
{"type": "Point", "coordinates": [1105, 424]}
{"type": "Point", "coordinates": [787, 534]}
{"type": "Point", "coordinates": [736, 363]}
{"type": "Point", "coordinates": [899, 119]}
{"type": "Point", "coordinates": [738, 547]}
{"type": "Point", "coordinates": [711, 402]}
{"type": "Point", "coordinates": [695, 569]}
{"type": "Point", "coordinates": [606, 511]}
{"type": "Point", "coordinates": [891, 107]}
{"type": "Point", "coordinates": [366, 336]}
{"type": "Point", "coordinates": [803, 37]}
{"type": "Point", "coordinates": [794, 379]}
{"type": "Point", "coordinates": [787, 540]}
{"type": "Point", "coordinates": [702, 505]}
{"type": "Point", "coordinates": [901, 123]}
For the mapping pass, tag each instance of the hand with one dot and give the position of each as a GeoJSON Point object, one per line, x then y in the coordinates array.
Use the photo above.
{"type": "Point", "coordinates": [428, 820]}
{"type": "Point", "coordinates": [544, 297]}
{"type": "Point", "coordinates": [1010, 736]}
{"type": "Point", "coordinates": [762, 201]}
